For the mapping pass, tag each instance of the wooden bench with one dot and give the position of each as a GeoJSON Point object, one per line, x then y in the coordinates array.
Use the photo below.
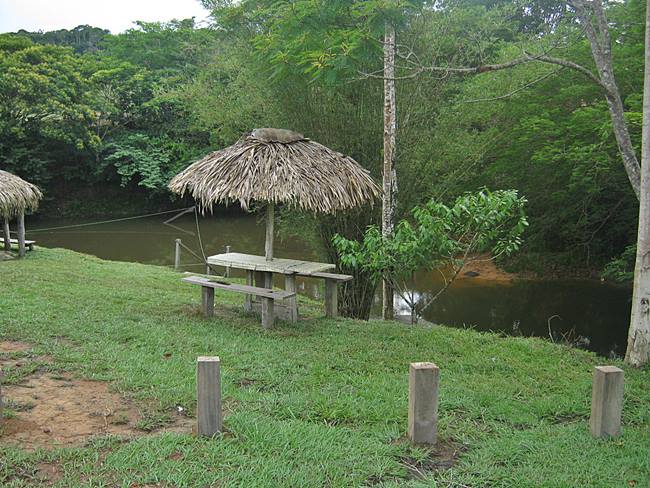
{"type": "Point", "coordinates": [267, 295]}
{"type": "Point", "coordinates": [332, 281]}
{"type": "Point", "coordinates": [28, 244]}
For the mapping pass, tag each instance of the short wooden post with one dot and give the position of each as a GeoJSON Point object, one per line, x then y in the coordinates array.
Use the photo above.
{"type": "Point", "coordinates": [208, 396]}
{"type": "Point", "coordinates": [177, 255]}
{"type": "Point", "coordinates": [606, 401]}
{"type": "Point", "coordinates": [208, 269]}
{"type": "Point", "coordinates": [292, 303]}
{"type": "Point", "coordinates": [227, 267]}
{"type": "Point", "coordinates": [6, 234]}
{"type": "Point", "coordinates": [331, 298]}
{"type": "Point", "coordinates": [268, 314]}
{"type": "Point", "coordinates": [248, 299]}
{"type": "Point", "coordinates": [207, 301]}
{"type": "Point", "coordinates": [21, 234]}
{"type": "Point", "coordinates": [424, 379]}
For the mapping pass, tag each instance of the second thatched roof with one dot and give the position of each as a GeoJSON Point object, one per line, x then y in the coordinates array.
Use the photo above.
{"type": "Point", "coordinates": [278, 166]}
{"type": "Point", "coordinates": [17, 195]}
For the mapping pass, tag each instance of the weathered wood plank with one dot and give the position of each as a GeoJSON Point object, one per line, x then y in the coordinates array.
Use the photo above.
{"type": "Point", "coordinates": [277, 265]}
{"type": "Point", "coordinates": [237, 288]}
{"type": "Point", "coordinates": [424, 379]}
{"type": "Point", "coordinates": [606, 401]}
{"type": "Point", "coordinates": [332, 276]}
{"type": "Point", "coordinates": [207, 301]}
{"type": "Point", "coordinates": [209, 419]}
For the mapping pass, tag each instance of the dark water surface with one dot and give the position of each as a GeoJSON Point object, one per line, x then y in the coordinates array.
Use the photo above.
{"type": "Point", "coordinates": [597, 312]}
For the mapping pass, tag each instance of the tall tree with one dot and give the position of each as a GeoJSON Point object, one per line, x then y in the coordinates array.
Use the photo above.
{"type": "Point", "coordinates": [638, 344]}
{"type": "Point", "coordinates": [389, 175]}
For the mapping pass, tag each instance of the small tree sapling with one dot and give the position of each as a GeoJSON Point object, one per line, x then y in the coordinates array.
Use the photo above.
{"type": "Point", "coordinates": [439, 237]}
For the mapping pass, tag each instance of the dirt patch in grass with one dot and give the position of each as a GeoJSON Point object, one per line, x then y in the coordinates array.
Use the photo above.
{"type": "Point", "coordinates": [443, 455]}
{"type": "Point", "coordinates": [51, 410]}
{"type": "Point", "coordinates": [14, 346]}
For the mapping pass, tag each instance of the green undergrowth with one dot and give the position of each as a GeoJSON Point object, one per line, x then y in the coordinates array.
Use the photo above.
{"type": "Point", "coordinates": [317, 403]}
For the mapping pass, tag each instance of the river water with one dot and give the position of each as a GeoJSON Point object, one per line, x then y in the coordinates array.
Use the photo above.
{"type": "Point", "coordinates": [597, 313]}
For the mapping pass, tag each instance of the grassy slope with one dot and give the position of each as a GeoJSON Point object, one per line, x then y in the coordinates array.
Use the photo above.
{"type": "Point", "coordinates": [328, 400]}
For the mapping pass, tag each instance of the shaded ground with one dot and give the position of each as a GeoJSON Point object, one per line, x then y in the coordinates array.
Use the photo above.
{"type": "Point", "coordinates": [49, 410]}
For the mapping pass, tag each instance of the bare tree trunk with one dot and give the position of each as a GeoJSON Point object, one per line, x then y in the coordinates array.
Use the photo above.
{"type": "Point", "coordinates": [597, 31]}
{"type": "Point", "coordinates": [638, 343]}
{"type": "Point", "coordinates": [389, 174]}
{"type": "Point", "coordinates": [6, 234]}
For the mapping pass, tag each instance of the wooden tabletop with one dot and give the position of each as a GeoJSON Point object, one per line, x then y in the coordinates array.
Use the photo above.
{"type": "Point", "coordinates": [276, 265]}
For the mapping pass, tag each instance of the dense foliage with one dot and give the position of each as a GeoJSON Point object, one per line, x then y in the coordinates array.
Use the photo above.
{"type": "Point", "coordinates": [82, 110]}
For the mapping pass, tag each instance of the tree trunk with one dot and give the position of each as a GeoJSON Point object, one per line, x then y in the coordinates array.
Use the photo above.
{"type": "Point", "coordinates": [638, 344]}
{"type": "Point", "coordinates": [21, 234]}
{"type": "Point", "coordinates": [593, 19]}
{"type": "Point", "coordinates": [6, 234]}
{"type": "Point", "coordinates": [389, 175]}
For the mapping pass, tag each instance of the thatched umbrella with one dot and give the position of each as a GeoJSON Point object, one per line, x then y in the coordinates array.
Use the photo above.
{"type": "Point", "coordinates": [17, 196]}
{"type": "Point", "coordinates": [277, 166]}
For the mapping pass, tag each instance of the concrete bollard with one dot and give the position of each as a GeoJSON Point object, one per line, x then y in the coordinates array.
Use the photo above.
{"type": "Point", "coordinates": [424, 379]}
{"type": "Point", "coordinates": [606, 401]}
{"type": "Point", "coordinates": [208, 396]}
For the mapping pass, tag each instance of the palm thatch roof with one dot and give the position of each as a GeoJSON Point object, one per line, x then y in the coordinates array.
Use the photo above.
{"type": "Point", "coordinates": [277, 166]}
{"type": "Point", "coordinates": [17, 195]}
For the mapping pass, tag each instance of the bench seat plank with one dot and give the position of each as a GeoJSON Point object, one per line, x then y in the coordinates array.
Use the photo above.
{"type": "Point", "coordinates": [246, 289]}
{"type": "Point", "coordinates": [332, 276]}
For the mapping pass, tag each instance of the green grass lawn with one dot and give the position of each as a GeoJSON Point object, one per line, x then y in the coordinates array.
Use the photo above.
{"type": "Point", "coordinates": [317, 403]}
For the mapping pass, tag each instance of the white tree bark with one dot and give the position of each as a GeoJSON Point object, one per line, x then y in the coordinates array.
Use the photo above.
{"type": "Point", "coordinates": [389, 174]}
{"type": "Point", "coordinates": [638, 343]}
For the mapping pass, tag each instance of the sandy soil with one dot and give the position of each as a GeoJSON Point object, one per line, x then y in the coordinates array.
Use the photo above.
{"type": "Point", "coordinates": [486, 269]}
{"type": "Point", "coordinates": [52, 410]}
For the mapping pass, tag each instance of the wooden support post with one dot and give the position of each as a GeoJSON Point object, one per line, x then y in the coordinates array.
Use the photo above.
{"type": "Point", "coordinates": [268, 315]}
{"type": "Point", "coordinates": [208, 269]}
{"type": "Point", "coordinates": [6, 234]}
{"type": "Point", "coordinates": [227, 267]}
{"type": "Point", "coordinates": [177, 255]}
{"type": "Point", "coordinates": [248, 299]}
{"type": "Point", "coordinates": [331, 299]}
{"type": "Point", "coordinates": [268, 245]}
{"type": "Point", "coordinates": [207, 301]}
{"type": "Point", "coordinates": [424, 379]}
{"type": "Point", "coordinates": [208, 396]}
{"type": "Point", "coordinates": [292, 303]}
{"type": "Point", "coordinates": [21, 235]}
{"type": "Point", "coordinates": [268, 280]}
{"type": "Point", "coordinates": [606, 401]}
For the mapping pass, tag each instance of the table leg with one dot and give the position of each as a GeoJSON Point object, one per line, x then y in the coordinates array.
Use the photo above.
{"type": "Point", "coordinates": [248, 299]}
{"type": "Point", "coordinates": [268, 315]}
{"type": "Point", "coordinates": [331, 299]}
{"type": "Point", "coordinates": [292, 303]}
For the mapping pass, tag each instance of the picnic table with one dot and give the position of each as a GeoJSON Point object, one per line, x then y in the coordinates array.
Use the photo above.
{"type": "Point", "coordinates": [260, 272]}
